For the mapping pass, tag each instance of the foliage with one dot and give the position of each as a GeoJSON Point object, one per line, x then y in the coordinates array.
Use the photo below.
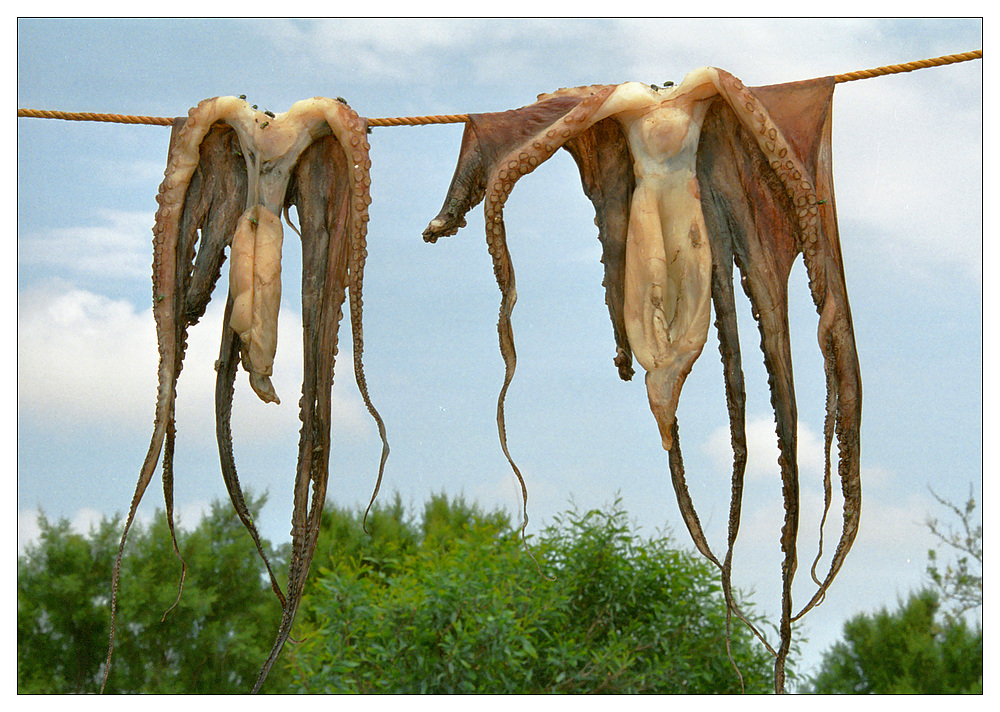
{"type": "Point", "coordinates": [906, 651]}
{"type": "Point", "coordinates": [454, 605]}
{"type": "Point", "coordinates": [959, 585]}
{"type": "Point", "coordinates": [445, 602]}
{"type": "Point", "coordinates": [213, 641]}
{"type": "Point", "coordinates": [926, 646]}
{"type": "Point", "coordinates": [62, 607]}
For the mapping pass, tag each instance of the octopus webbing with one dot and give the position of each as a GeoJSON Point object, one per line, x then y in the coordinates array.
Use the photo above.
{"type": "Point", "coordinates": [686, 181]}
{"type": "Point", "coordinates": [232, 170]}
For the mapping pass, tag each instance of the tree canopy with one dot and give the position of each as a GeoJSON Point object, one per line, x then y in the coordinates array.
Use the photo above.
{"type": "Point", "coordinates": [905, 651]}
{"type": "Point", "coordinates": [212, 641]}
{"type": "Point", "coordinates": [454, 605]}
{"type": "Point", "coordinates": [447, 601]}
{"type": "Point", "coordinates": [926, 645]}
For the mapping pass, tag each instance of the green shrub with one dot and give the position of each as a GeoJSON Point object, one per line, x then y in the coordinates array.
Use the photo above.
{"type": "Point", "coordinates": [456, 606]}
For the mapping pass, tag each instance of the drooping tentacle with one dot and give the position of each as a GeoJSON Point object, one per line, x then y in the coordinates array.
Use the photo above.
{"type": "Point", "coordinates": [729, 348]}
{"type": "Point", "coordinates": [360, 198]}
{"type": "Point", "coordinates": [173, 257]}
{"type": "Point", "coordinates": [330, 193]}
{"type": "Point", "coordinates": [497, 149]}
{"type": "Point", "coordinates": [746, 210]}
{"type": "Point", "coordinates": [767, 189]}
{"type": "Point", "coordinates": [800, 157]}
{"type": "Point", "coordinates": [226, 367]}
{"type": "Point", "coordinates": [605, 162]}
{"type": "Point", "coordinates": [836, 338]}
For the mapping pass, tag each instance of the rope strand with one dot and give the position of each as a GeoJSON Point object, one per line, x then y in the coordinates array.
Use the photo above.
{"type": "Point", "coordinates": [88, 116]}
{"type": "Point", "coordinates": [462, 118]}
{"type": "Point", "coordinates": [908, 66]}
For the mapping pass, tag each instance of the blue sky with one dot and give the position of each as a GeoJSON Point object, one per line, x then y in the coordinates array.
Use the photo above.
{"type": "Point", "coordinates": [908, 171]}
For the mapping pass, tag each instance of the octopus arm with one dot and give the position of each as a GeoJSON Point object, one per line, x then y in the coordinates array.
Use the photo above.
{"type": "Point", "coordinates": [200, 199]}
{"type": "Point", "coordinates": [605, 162]}
{"type": "Point", "coordinates": [767, 195]}
{"type": "Point", "coordinates": [497, 149]}
{"type": "Point", "coordinates": [329, 189]}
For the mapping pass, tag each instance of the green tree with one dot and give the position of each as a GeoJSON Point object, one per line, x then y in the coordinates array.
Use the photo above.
{"type": "Point", "coordinates": [213, 641]}
{"type": "Point", "coordinates": [447, 602]}
{"type": "Point", "coordinates": [62, 607]}
{"type": "Point", "coordinates": [906, 651]}
{"type": "Point", "coordinates": [926, 645]}
{"type": "Point", "coordinates": [454, 605]}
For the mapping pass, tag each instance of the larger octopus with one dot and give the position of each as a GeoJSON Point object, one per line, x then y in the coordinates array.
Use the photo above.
{"type": "Point", "coordinates": [685, 182]}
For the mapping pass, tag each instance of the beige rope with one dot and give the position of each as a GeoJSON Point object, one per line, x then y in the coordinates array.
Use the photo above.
{"type": "Point", "coordinates": [86, 116]}
{"type": "Point", "coordinates": [462, 118]}
{"type": "Point", "coordinates": [908, 67]}
{"type": "Point", "coordinates": [420, 120]}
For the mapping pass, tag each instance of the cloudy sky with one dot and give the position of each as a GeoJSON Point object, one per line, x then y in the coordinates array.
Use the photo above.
{"type": "Point", "coordinates": [908, 171]}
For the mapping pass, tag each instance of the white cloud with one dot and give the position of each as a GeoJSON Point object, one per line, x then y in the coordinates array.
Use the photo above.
{"type": "Point", "coordinates": [118, 244]}
{"type": "Point", "coordinates": [762, 449]}
{"type": "Point", "coordinates": [383, 49]}
{"type": "Point", "coordinates": [82, 356]}
{"type": "Point", "coordinates": [86, 358]}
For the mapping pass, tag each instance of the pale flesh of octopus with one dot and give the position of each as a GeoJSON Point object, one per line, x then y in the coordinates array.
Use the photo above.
{"type": "Point", "coordinates": [685, 182]}
{"type": "Point", "coordinates": [231, 172]}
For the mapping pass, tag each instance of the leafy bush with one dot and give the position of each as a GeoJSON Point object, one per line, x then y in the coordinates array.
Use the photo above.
{"type": "Point", "coordinates": [445, 603]}
{"type": "Point", "coordinates": [905, 651]}
{"type": "Point", "coordinates": [454, 605]}
{"type": "Point", "coordinates": [213, 641]}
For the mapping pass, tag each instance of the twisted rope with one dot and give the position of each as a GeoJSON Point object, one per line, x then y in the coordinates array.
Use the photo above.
{"type": "Point", "coordinates": [88, 116]}
{"type": "Point", "coordinates": [420, 120]}
{"type": "Point", "coordinates": [462, 118]}
{"type": "Point", "coordinates": [908, 66]}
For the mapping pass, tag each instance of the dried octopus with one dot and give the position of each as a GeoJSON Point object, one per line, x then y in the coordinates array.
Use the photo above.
{"type": "Point", "coordinates": [232, 171]}
{"type": "Point", "coordinates": [686, 181]}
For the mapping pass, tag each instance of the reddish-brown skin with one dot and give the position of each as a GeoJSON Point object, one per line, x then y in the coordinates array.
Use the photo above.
{"type": "Point", "coordinates": [764, 172]}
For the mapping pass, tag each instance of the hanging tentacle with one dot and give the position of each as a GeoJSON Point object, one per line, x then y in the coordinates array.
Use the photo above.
{"type": "Point", "coordinates": [497, 149]}
{"type": "Point", "coordinates": [174, 243]}
{"type": "Point", "coordinates": [330, 193]}
{"type": "Point", "coordinates": [226, 367]}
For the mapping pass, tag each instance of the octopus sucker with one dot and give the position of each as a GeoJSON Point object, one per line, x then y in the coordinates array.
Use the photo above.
{"type": "Point", "coordinates": [686, 182]}
{"type": "Point", "coordinates": [231, 172]}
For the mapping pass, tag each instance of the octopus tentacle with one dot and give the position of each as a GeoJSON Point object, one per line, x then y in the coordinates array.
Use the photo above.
{"type": "Point", "coordinates": [795, 215]}
{"type": "Point", "coordinates": [605, 162]}
{"type": "Point", "coordinates": [729, 349]}
{"type": "Point", "coordinates": [821, 253]}
{"type": "Point", "coordinates": [333, 214]}
{"type": "Point", "coordinates": [497, 150]}
{"type": "Point", "coordinates": [361, 197]}
{"type": "Point", "coordinates": [173, 254]}
{"type": "Point", "coordinates": [226, 366]}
